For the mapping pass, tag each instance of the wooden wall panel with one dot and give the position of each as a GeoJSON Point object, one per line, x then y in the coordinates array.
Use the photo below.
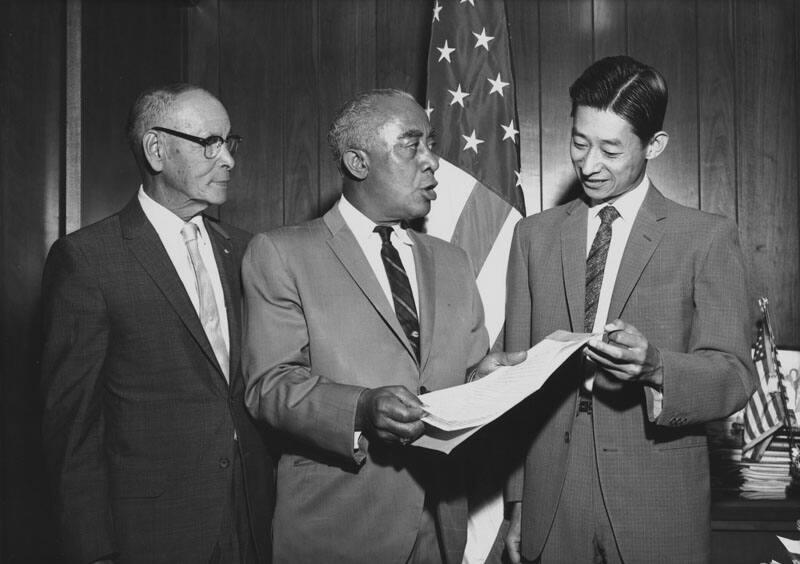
{"type": "Point", "coordinates": [127, 47]}
{"type": "Point", "coordinates": [402, 50]}
{"type": "Point", "coordinates": [565, 37]}
{"type": "Point", "coordinates": [302, 129]}
{"type": "Point", "coordinates": [201, 50]}
{"type": "Point", "coordinates": [252, 77]}
{"type": "Point", "coordinates": [716, 98]}
{"type": "Point", "coordinates": [347, 66]}
{"type": "Point", "coordinates": [767, 155]}
{"type": "Point", "coordinates": [663, 34]}
{"type": "Point", "coordinates": [610, 29]}
{"type": "Point", "coordinates": [32, 38]}
{"type": "Point", "coordinates": [523, 21]}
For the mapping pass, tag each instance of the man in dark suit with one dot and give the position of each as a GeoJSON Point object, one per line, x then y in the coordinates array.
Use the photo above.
{"type": "Point", "coordinates": [152, 454]}
{"type": "Point", "coordinates": [616, 461]}
{"type": "Point", "coordinates": [348, 317]}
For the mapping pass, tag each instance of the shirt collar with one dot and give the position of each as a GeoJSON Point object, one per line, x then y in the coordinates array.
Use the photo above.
{"type": "Point", "coordinates": [162, 219]}
{"type": "Point", "coordinates": [628, 204]}
{"type": "Point", "coordinates": [363, 227]}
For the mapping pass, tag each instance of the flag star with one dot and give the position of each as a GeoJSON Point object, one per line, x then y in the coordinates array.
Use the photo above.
{"type": "Point", "coordinates": [497, 85]}
{"type": "Point", "coordinates": [482, 39]}
{"type": "Point", "coordinates": [445, 51]}
{"type": "Point", "coordinates": [429, 110]}
{"type": "Point", "coordinates": [519, 178]}
{"type": "Point", "coordinates": [510, 132]}
{"type": "Point", "coordinates": [472, 142]}
{"type": "Point", "coordinates": [470, 1]}
{"type": "Point", "coordinates": [458, 96]}
{"type": "Point", "coordinates": [436, 9]}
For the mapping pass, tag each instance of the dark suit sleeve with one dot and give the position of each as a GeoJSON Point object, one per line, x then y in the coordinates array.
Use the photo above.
{"type": "Point", "coordinates": [280, 386]}
{"type": "Point", "coordinates": [715, 377]}
{"type": "Point", "coordinates": [76, 332]}
{"type": "Point", "coordinates": [517, 338]}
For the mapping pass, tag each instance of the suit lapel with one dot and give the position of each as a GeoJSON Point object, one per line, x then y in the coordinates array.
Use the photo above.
{"type": "Point", "coordinates": [344, 245]}
{"type": "Point", "coordinates": [426, 282]}
{"type": "Point", "coordinates": [228, 269]}
{"type": "Point", "coordinates": [645, 236]}
{"type": "Point", "coordinates": [144, 243]}
{"type": "Point", "coordinates": [573, 261]}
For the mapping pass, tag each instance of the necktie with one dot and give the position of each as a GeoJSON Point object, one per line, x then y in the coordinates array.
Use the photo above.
{"type": "Point", "coordinates": [595, 264]}
{"type": "Point", "coordinates": [207, 310]}
{"type": "Point", "coordinates": [403, 299]}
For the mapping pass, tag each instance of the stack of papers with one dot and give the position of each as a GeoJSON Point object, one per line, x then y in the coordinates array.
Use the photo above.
{"type": "Point", "coordinates": [454, 414]}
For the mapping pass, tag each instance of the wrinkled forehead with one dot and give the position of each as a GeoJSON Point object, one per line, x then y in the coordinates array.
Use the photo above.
{"type": "Point", "coordinates": [201, 112]}
{"type": "Point", "coordinates": [403, 119]}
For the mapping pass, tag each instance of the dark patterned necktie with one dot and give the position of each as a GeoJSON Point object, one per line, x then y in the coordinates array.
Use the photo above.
{"type": "Point", "coordinates": [403, 298]}
{"type": "Point", "coordinates": [596, 263]}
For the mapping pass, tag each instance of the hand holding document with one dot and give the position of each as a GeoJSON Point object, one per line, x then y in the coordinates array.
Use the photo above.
{"type": "Point", "coordinates": [454, 414]}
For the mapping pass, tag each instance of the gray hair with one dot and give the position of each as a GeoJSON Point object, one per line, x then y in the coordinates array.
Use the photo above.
{"type": "Point", "coordinates": [357, 122]}
{"type": "Point", "coordinates": [150, 109]}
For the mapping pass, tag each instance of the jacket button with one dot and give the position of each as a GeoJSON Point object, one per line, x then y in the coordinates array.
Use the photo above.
{"type": "Point", "coordinates": [224, 462]}
{"type": "Point", "coordinates": [423, 390]}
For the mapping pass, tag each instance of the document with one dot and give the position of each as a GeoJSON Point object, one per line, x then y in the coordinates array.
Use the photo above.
{"type": "Point", "coordinates": [454, 414]}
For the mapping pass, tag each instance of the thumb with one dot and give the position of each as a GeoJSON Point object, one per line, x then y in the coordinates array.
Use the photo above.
{"type": "Point", "coordinates": [512, 358]}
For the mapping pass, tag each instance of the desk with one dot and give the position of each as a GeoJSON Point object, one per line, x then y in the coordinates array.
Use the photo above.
{"type": "Point", "coordinates": [743, 531]}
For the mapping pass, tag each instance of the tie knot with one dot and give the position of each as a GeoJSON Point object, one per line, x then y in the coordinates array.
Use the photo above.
{"type": "Point", "coordinates": [189, 231]}
{"type": "Point", "coordinates": [385, 231]}
{"type": "Point", "coordinates": [608, 214]}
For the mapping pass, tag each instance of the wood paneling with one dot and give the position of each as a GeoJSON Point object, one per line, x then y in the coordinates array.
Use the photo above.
{"type": "Point", "coordinates": [565, 37]}
{"type": "Point", "coordinates": [32, 38]}
{"type": "Point", "coordinates": [127, 46]}
{"type": "Point", "coordinates": [767, 155]}
{"type": "Point", "coordinates": [663, 34]}
{"type": "Point", "coordinates": [716, 91]}
{"type": "Point", "coordinates": [252, 87]}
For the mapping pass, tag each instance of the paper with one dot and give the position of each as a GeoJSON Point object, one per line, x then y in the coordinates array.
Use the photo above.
{"type": "Point", "coordinates": [454, 414]}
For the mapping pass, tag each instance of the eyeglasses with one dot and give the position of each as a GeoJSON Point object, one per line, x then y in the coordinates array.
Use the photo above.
{"type": "Point", "coordinates": [211, 145]}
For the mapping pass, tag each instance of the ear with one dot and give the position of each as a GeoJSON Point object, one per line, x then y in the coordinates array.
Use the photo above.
{"type": "Point", "coordinates": [356, 163]}
{"type": "Point", "coordinates": [657, 144]}
{"type": "Point", "coordinates": [153, 150]}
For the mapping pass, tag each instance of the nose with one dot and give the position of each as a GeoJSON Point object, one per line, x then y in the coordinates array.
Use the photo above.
{"type": "Point", "coordinates": [429, 159]}
{"type": "Point", "coordinates": [225, 157]}
{"type": "Point", "coordinates": [590, 162]}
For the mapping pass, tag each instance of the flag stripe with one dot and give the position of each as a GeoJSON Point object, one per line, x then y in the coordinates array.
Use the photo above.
{"type": "Point", "coordinates": [482, 218]}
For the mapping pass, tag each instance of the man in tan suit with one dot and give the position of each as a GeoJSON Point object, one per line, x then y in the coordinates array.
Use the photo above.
{"type": "Point", "coordinates": [616, 462]}
{"type": "Point", "coordinates": [348, 317]}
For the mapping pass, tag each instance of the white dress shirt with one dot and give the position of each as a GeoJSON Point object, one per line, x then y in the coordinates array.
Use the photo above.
{"type": "Point", "coordinates": [168, 226]}
{"type": "Point", "coordinates": [628, 207]}
{"type": "Point", "coordinates": [370, 242]}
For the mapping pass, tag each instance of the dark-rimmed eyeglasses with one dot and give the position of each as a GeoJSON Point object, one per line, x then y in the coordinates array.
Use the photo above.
{"type": "Point", "coordinates": [211, 145]}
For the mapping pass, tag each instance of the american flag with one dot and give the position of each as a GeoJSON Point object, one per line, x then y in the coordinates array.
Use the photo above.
{"type": "Point", "coordinates": [472, 106]}
{"type": "Point", "coordinates": [471, 103]}
{"type": "Point", "coordinates": [764, 413]}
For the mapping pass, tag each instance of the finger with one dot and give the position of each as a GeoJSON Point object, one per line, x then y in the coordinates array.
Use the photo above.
{"type": "Point", "coordinates": [512, 358]}
{"type": "Point", "coordinates": [394, 431]}
{"type": "Point", "coordinates": [405, 396]}
{"type": "Point", "coordinates": [394, 408]}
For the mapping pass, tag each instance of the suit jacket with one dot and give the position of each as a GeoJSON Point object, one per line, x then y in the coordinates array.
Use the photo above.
{"type": "Point", "coordinates": [318, 331]}
{"type": "Point", "coordinates": [682, 284]}
{"type": "Point", "coordinates": [139, 420]}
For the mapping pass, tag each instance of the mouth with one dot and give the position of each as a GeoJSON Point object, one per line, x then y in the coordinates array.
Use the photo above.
{"type": "Point", "coordinates": [428, 191]}
{"type": "Point", "coordinates": [592, 182]}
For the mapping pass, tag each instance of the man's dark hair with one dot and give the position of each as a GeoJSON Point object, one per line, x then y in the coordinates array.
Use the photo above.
{"type": "Point", "coordinates": [634, 91]}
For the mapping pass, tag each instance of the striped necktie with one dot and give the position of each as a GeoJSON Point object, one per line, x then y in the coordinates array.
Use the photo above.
{"type": "Point", "coordinates": [402, 296]}
{"type": "Point", "coordinates": [596, 263]}
{"type": "Point", "coordinates": [207, 309]}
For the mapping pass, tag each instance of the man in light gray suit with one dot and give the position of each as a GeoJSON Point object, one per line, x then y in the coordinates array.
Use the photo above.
{"type": "Point", "coordinates": [348, 317]}
{"type": "Point", "coordinates": [616, 462]}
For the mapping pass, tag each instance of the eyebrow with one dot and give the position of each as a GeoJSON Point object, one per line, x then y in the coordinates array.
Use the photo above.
{"type": "Point", "coordinates": [615, 142]}
{"type": "Point", "coordinates": [416, 134]}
